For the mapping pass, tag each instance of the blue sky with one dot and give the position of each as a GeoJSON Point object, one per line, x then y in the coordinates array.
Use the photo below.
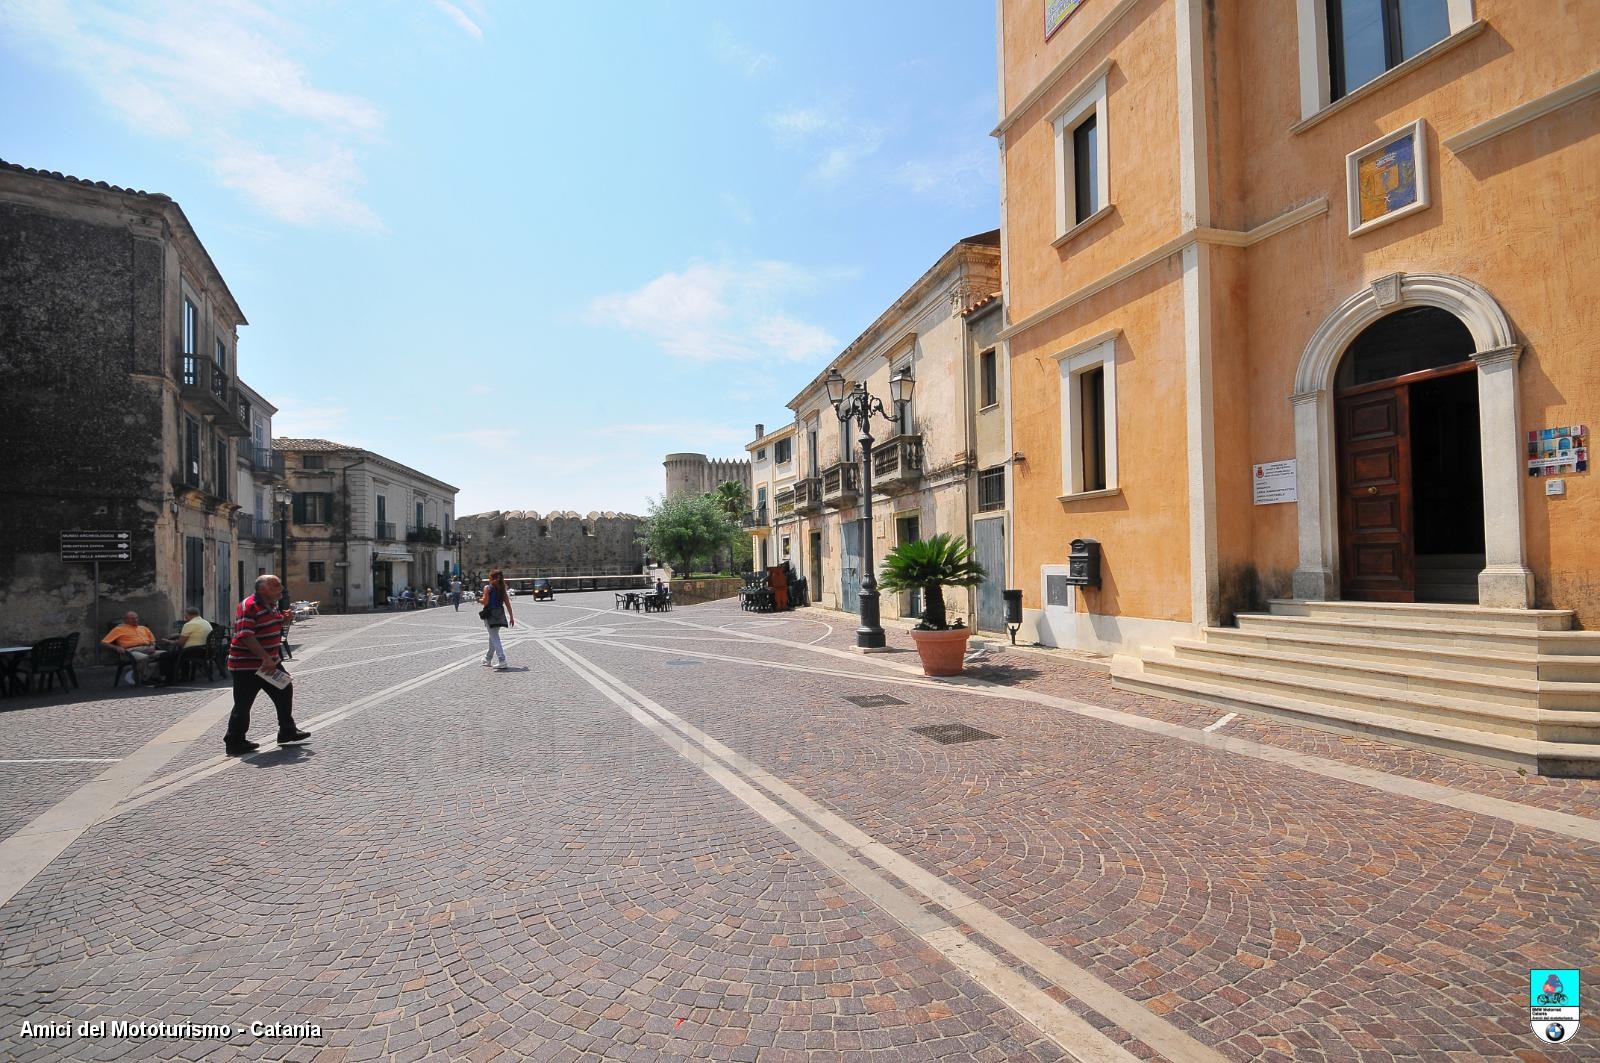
{"type": "Point", "coordinates": [530, 248]}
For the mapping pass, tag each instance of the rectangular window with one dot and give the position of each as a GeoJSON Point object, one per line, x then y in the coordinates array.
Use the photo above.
{"type": "Point", "coordinates": [761, 454]}
{"type": "Point", "coordinates": [1368, 37]}
{"type": "Point", "coordinates": [782, 451]}
{"type": "Point", "coordinates": [311, 461]}
{"type": "Point", "coordinates": [222, 356]}
{"type": "Point", "coordinates": [418, 525]}
{"type": "Point", "coordinates": [194, 573]}
{"type": "Point", "coordinates": [317, 571]}
{"type": "Point", "coordinates": [992, 489]}
{"type": "Point", "coordinates": [1081, 168]}
{"type": "Point", "coordinates": [220, 488]}
{"type": "Point", "coordinates": [1086, 197]}
{"type": "Point", "coordinates": [811, 447]}
{"type": "Point", "coordinates": [313, 507]}
{"type": "Point", "coordinates": [191, 327]}
{"type": "Point", "coordinates": [1089, 417]}
{"type": "Point", "coordinates": [847, 442]}
{"type": "Point", "coordinates": [903, 421]}
{"type": "Point", "coordinates": [1092, 421]}
{"type": "Point", "coordinates": [383, 506]}
{"type": "Point", "coordinates": [988, 379]}
{"type": "Point", "coordinates": [191, 452]}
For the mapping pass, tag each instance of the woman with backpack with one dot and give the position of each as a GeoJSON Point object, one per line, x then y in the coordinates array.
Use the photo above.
{"type": "Point", "coordinates": [496, 614]}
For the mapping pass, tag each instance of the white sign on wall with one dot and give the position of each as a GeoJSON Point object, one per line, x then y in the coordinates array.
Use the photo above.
{"type": "Point", "coordinates": [1274, 482]}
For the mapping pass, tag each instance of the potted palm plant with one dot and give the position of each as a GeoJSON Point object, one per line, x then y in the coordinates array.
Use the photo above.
{"type": "Point", "coordinates": [929, 565]}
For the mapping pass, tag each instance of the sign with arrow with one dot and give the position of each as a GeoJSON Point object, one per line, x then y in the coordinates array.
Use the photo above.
{"type": "Point", "coordinates": [96, 546]}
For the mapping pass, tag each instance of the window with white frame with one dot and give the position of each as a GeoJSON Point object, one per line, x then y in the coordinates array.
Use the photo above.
{"type": "Point", "coordinates": [1089, 417]}
{"type": "Point", "coordinates": [1082, 175]}
{"type": "Point", "coordinates": [1345, 44]}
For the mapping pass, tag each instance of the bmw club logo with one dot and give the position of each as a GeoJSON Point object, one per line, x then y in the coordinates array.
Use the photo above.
{"type": "Point", "coordinates": [1553, 1003]}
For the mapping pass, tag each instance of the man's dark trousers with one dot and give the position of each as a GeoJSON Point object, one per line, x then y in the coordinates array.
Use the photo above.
{"type": "Point", "coordinates": [246, 684]}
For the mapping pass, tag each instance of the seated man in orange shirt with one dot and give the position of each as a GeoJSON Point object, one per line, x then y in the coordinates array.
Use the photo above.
{"type": "Point", "coordinates": [133, 640]}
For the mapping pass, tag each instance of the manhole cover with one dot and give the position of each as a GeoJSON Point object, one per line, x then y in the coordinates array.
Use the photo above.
{"type": "Point", "coordinates": [873, 701]}
{"type": "Point", "coordinates": [948, 734]}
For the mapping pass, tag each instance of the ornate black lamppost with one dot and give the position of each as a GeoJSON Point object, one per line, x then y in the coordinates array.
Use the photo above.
{"type": "Point", "coordinates": [860, 407]}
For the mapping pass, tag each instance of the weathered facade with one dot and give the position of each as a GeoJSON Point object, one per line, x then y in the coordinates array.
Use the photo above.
{"type": "Point", "coordinates": [258, 522]}
{"type": "Point", "coordinates": [924, 462]}
{"type": "Point", "coordinates": [119, 407]}
{"type": "Point", "coordinates": [361, 526]}
{"type": "Point", "coordinates": [771, 519]}
{"type": "Point", "coordinates": [1238, 235]}
{"type": "Point", "coordinates": [695, 474]}
{"type": "Point", "coordinates": [562, 543]}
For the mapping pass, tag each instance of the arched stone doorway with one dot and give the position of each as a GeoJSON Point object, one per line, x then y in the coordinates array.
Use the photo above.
{"type": "Point", "coordinates": [1323, 420]}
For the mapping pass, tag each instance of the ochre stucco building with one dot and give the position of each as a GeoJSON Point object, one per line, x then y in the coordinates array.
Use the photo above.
{"type": "Point", "coordinates": [1195, 285]}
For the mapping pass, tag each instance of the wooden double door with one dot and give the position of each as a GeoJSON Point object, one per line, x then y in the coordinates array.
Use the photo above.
{"type": "Point", "coordinates": [1391, 432]}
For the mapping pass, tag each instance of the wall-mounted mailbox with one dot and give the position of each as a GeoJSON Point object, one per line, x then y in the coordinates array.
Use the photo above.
{"type": "Point", "coordinates": [1083, 563]}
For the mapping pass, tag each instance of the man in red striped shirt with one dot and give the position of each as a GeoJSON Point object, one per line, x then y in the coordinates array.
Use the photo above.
{"type": "Point", "coordinates": [256, 645]}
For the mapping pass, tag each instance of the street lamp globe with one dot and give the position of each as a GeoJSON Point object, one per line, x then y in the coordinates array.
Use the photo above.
{"type": "Point", "coordinates": [901, 385]}
{"type": "Point", "coordinates": [835, 384]}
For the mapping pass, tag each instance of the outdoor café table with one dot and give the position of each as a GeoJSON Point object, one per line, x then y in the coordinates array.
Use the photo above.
{"type": "Point", "coordinates": [10, 659]}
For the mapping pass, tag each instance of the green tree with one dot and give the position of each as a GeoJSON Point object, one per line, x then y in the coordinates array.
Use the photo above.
{"type": "Point", "coordinates": [686, 530]}
{"type": "Point", "coordinates": [931, 564]}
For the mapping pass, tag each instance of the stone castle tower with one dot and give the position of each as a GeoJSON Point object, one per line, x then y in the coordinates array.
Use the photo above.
{"type": "Point", "coordinates": [695, 474]}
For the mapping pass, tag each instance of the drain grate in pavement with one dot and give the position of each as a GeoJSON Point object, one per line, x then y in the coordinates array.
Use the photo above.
{"type": "Point", "coordinates": [873, 701]}
{"type": "Point", "coordinates": [948, 734]}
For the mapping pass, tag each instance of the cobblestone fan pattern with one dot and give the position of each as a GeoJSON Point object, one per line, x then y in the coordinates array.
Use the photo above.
{"type": "Point", "coordinates": [493, 863]}
{"type": "Point", "coordinates": [468, 864]}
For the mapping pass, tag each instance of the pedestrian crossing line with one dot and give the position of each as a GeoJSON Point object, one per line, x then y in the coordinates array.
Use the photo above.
{"type": "Point", "coordinates": [1527, 816]}
{"type": "Point", "coordinates": [846, 850]}
{"type": "Point", "coordinates": [37, 843]}
{"type": "Point", "coordinates": [168, 785]}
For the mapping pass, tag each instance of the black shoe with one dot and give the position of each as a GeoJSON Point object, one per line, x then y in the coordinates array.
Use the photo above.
{"type": "Point", "coordinates": [239, 749]}
{"type": "Point", "coordinates": [294, 737]}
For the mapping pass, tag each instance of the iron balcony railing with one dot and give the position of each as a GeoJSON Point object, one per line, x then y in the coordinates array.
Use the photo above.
{"type": "Point", "coordinates": [754, 518]}
{"type": "Point", "coordinates": [257, 529]}
{"type": "Point", "coordinates": [202, 382]}
{"type": "Point", "coordinates": [429, 534]}
{"type": "Point", "coordinates": [266, 462]}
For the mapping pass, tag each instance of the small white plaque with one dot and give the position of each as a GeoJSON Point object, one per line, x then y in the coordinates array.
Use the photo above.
{"type": "Point", "coordinates": [1555, 488]}
{"type": "Point", "coordinates": [1274, 482]}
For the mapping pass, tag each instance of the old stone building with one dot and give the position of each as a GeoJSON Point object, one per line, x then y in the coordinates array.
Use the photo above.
{"type": "Point", "coordinates": [695, 474]}
{"type": "Point", "coordinates": [563, 543]}
{"type": "Point", "coordinates": [362, 526]}
{"type": "Point", "coordinates": [120, 408]}
{"type": "Point", "coordinates": [258, 522]}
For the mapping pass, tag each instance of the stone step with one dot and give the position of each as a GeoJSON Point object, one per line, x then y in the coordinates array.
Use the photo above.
{"type": "Point", "coordinates": [1427, 613]}
{"type": "Point", "coordinates": [1518, 662]}
{"type": "Point", "coordinates": [1539, 756]}
{"type": "Point", "coordinates": [1400, 677]}
{"type": "Point", "coordinates": [1521, 721]}
{"type": "Point", "coordinates": [1501, 638]}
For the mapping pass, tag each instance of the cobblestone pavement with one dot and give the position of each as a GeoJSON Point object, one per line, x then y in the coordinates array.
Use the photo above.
{"type": "Point", "coordinates": [673, 836]}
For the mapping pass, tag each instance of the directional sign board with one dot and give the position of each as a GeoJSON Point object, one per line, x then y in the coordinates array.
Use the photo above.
{"type": "Point", "coordinates": [96, 546]}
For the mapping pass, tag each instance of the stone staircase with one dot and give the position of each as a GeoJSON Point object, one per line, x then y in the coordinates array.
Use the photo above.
{"type": "Point", "coordinates": [1514, 687]}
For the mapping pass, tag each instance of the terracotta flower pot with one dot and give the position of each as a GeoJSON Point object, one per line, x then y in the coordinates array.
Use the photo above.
{"type": "Point", "coordinates": [942, 652]}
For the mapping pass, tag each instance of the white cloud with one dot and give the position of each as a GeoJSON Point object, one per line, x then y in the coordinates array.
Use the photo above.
{"type": "Point", "coordinates": [842, 141]}
{"type": "Point", "coordinates": [483, 438]}
{"type": "Point", "coordinates": [735, 53]}
{"type": "Point", "coordinates": [206, 72]}
{"type": "Point", "coordinates": [962, 177]}
{"type": "Point", "coordinates": [460, 17]}
{"type": "Point", "coordinates": [799, 121]}
{"type": "Point", "coordinates": [723, 311]}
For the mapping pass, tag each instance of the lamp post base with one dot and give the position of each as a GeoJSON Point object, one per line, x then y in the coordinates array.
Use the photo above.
{"type": "Point", "coordinates": [869, 636]}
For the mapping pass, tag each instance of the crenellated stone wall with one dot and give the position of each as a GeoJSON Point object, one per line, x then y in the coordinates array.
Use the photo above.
{"type": "Point", "coordinates": [695, 474]}
{"type": "Point", "coordinates": [562, 543]}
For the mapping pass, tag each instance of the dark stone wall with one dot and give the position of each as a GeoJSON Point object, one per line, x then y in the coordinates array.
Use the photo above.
{"type": "Point", "coordinates": [83, 439]}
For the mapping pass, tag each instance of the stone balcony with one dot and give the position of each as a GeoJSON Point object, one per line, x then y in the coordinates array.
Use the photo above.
{"type": "Point", "coordinates": [808, 495]}
{"type": "Point", "coordinates": [897, 464]}
{"type": "Point", "coordinates": [841, 484]}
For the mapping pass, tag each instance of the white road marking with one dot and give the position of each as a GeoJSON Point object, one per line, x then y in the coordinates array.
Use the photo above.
{"type": "Point", "coordinates": [64, 760]}
{"type": "Point", "coordinates": [1220, 724]}
{"type": "Point", "coordinates": [821, 833]}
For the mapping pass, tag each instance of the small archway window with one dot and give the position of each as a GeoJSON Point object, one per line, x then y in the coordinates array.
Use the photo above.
{"type": "Point", "coordinates": [1412, 340]}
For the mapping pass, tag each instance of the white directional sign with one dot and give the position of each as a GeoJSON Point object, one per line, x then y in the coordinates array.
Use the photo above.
{"type": "Point", "coordinates": [96, 546]}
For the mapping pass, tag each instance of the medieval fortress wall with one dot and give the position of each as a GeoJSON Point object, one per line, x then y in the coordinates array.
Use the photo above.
{"type": "Point", "coordinates": [563, 543]}
{"type": "Point", "coordinates": [695, 474]}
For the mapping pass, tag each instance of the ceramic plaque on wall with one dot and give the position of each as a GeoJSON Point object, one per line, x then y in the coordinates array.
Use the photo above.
{"type": "Point", "coordinates": [1388, 178]}
{"type": "Point", "coordinates": [1056, 12]}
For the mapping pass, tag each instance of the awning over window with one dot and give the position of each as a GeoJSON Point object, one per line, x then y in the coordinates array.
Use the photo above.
{"type": "Point", "coordinates": [393, 558]}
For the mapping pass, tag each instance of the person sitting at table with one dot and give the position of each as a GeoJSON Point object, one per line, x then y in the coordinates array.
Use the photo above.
{"type": "Point", "coordinates": [196, 630]}
{"type": "Point", "coordinates": [133, 641]}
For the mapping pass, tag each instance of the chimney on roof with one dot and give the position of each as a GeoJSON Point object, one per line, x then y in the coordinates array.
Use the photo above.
{"type": "Point", "coordinates": [761, 430]}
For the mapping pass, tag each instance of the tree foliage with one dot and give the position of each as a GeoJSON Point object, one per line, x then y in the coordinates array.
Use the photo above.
{"type": "Point", "coordinates": [687, 530]}
{"type": "Point", "coordinates": [942, 561]}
